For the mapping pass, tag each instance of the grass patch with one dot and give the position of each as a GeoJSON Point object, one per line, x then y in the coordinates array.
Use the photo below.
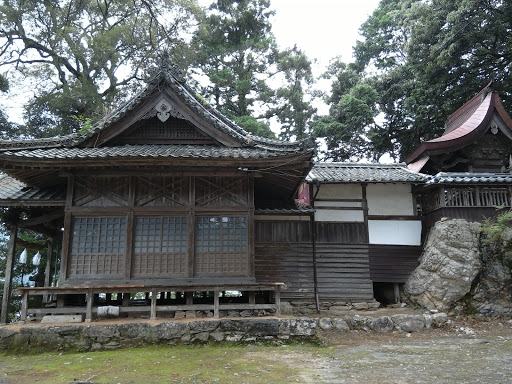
{"type": "Point", "coordinates": [158, 364]}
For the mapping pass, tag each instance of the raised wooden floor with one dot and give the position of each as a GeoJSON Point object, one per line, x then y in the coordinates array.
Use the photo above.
{"type": "Point", "coordinates": [153, 290]}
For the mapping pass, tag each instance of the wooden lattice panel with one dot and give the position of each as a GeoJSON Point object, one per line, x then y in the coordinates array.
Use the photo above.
{"type": "Point", "coordinates": [221, 246]}
{"type": "Point", "coordinates": [98, 246]}
{"type": "Point", "coordinates": [161, 191]}
{"type": "Point", "coordinates": [222, 191]}
{"type": "Point", "coordinates": [161, 245]}
{"type": "Point", "coordinates": [173, 128]}
{"type": "Point", "coordinates": [101, 191]}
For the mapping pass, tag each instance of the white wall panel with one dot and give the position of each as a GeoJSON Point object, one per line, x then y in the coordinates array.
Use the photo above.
{"type": "Point", "coordinates": [395, 232]}
{"type": "Point", "coordinates": [390, 199]}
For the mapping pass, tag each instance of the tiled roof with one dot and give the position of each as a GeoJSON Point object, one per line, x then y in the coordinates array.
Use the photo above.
{"type": "Point", "coordinates": [144, 151]}
{"type": "Point", "coordinates": [12, 189]}
{"type": "Point", "coordinates": [467, 124]}
{"type": "Point", "coordinates": [357, 173]}
{"type": "Point", "coordinates": [469, 178]}
{"type": "Point", "coordinates": [167, 76]}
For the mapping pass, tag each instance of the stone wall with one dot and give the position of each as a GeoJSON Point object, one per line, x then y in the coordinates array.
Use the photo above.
{"type": "Point", "coordinates": [34, 338]}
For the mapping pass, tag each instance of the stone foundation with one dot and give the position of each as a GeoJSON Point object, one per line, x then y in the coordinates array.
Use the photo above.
{"type": "Point", "coordinates": [305, 308]}
{"type": "Point", "coordinates": [34, 338]}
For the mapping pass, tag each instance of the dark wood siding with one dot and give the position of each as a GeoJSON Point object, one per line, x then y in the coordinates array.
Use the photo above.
{"type": "Point", "coordinates": [393, 263]}
{"type": "Point", "coordinates": [300, 231]}
{"type": "Point", "coordinates": [349, 233]}
{"type": "Point", "coordinates": [290, 263]}
{"type": "Point", "coordinates": [342, 270]}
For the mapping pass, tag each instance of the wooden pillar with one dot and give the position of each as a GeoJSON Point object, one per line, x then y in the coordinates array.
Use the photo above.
{"type": "Point", "coordinates": [13, 231]}
{"type": "Point", "coordinates": [48, 269]}
{"type": "Point", "coordinates": [24, 306]}
{"type": "Point", "coordinates": [153, 304]}
{"type": "Point", "coordinates": [396, 292]}
{"type": "Point", "coordinates": [90, 299]}
{"type": "Point", "coordinates": [364, 206]}
{"type": "Point", "coordinates": [277, 294]}
{"type": "Point", "coordinates": [216, 307]}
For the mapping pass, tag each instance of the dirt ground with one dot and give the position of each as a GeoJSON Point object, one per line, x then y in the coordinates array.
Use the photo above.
{"type": "Point", "coordinates": [466, 351]}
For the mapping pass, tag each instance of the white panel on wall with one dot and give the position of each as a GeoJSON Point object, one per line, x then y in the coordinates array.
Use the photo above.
{"type": "Point", "coordinates": [339, 191]}
{"type": "Point", "coordinates": [356, 204]}
{"type": "Point", "coordinates": [390, 199]}
{"type": "Point", "coordinates": [338, 215]}
{"type": "Point", "coordinates": [395, 232]}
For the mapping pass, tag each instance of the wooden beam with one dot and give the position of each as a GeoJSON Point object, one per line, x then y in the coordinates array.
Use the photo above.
{"type": "Point", "coordinates": [41, 219]}
{"type": "Point", "coordinates": [13, 231]}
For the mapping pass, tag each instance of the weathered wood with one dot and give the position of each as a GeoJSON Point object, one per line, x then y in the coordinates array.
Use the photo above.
{"type": "Point", "coordinates": [393, 263]}
{"type": "Point", "coordinates": [9, 266]}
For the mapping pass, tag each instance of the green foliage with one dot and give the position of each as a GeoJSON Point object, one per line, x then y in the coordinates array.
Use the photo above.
{"type": "Point", "coordinates": [350, 127]}
{"type": "Point", "coordinates": [85, 124]}
{"type": "Point", "coordinates": [423, 59]}
{"type": "Point", "coordinates": [86, 55]}
{"type": "Point", "coordinates": [292, 101]}
{"type": "Point", "coordinates": [236, 49]}
{"type": "Point", "coordinates": [258, 128]}
{"type": "Point", "coordinates": [497, 233]}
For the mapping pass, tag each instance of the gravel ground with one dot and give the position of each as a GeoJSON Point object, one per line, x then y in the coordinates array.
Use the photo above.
{"type": "Point", "coordinates": [463, 352]}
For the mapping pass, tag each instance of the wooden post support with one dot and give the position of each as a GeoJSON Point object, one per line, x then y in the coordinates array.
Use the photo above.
{"type": "Point", "coordinates": [396, 289]}
{"type": "Point", "coordinates": [189, 296]}
{"type": "Point", "coordinates": [8, 274]}
{"type": "Point", "coordinates": [48, 269]}
{"type": "Point", "coordinates": [252, 297]}
{"type": "Point", "coordinates": [126, 299]}
{"type": "Point", "coordinates": [216, 307]}
{"type": "Point", "coordinates": [24, 306]}
{"type": "Point", "coordinates": [153, 304]}
{"type": "Point", "coordinates": [278, 300]}
{"type": "Point", "coordinates": [90, 299]}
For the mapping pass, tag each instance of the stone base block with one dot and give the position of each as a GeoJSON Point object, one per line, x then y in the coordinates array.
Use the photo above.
{"type": "Point", "coordinates": [49, 319]}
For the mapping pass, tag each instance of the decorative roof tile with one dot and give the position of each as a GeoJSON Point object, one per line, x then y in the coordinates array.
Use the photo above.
{"type": "Point", "coordinates": [470, 178]}
{"type": "Point", "coordinates": [144, 151]}
{"type": "Point", "coordinates": [358, 173]}
{"type": "Point", "coordinates": [177, 84]}
{"type": "Point", "coordinates": [13, 189]}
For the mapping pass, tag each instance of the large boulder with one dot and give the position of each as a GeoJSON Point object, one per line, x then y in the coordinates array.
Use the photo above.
{"type": "Point", "coordinates": [449, 264]}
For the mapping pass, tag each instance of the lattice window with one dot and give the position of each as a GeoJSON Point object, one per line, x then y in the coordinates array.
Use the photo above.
{"type": "Point", "coordinates": [161, 245]}
{"type": "Point", "coordinates": [222, 191]}
{"type": "Point", "coordinates": [161, 191]}
{"type": "Point", "coordinates": [101, 191]}
{"type": "Point", "coordinates": [98, 245]}
{"type": "Point", "coordinates": [221, 246]}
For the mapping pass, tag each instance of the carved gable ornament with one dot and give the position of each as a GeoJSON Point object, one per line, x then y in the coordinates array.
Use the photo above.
{"type": "Point", "coordinates": [163, 109]}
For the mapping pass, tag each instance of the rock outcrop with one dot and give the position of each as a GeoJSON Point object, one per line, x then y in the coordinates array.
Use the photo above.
{"type": "Point", "coordinates": [449, 264]}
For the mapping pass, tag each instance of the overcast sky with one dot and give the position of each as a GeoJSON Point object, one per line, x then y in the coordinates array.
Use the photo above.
{"type": "Point", "coordinates": [322, 28]}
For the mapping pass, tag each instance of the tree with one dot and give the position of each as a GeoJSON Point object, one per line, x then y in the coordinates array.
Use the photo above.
{"type": "Point", "coordinates": [234, 49]}
{"type": "Point", "coordinates": [424, 60]}
{"type": "Point", "coordinates": [7, 128]}
{"type": "Point", "coordinates": [351, 121]}
{"type": "Point", "coordinates": [292, 104]}
{"type": "Point", "coordinates": [87, 54]}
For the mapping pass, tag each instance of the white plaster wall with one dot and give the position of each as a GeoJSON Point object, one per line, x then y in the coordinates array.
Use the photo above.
{"type": "Point", "coordinates": [339, 191]}
{"type": "Point", "coordinates": [395, 232]}
{"type": "Point", "coordinates": [349, 204]}
{"type": "Point", "coordinates": [339, 215]}
{"type": "Point", "coordinates": [390, 199]}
